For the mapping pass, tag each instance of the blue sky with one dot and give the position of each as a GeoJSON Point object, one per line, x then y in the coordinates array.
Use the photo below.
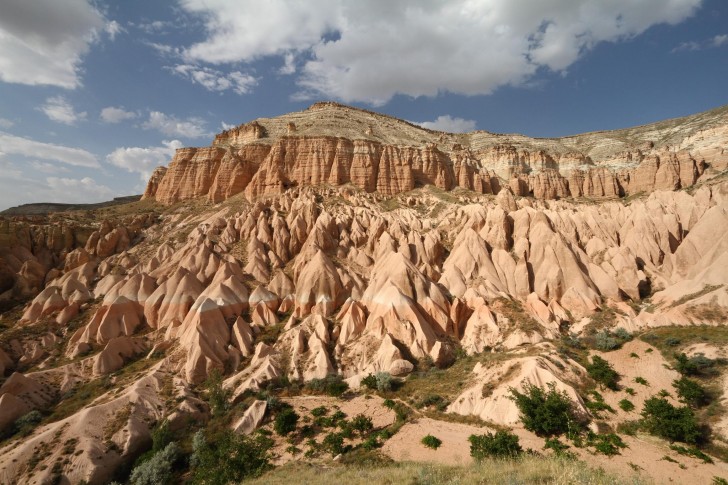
{"type": "Point", "coordinates": [94, 95]}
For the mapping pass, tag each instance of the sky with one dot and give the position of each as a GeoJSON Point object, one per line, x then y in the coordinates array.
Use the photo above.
{"type": "Point", "coordinates": [94, 94]}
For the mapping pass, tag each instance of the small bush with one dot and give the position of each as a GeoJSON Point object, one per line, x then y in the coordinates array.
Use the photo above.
{"type": "Point", "coordinates": [558, 447]}
{"type": "Point", "coordinates": [641, 380]}
{"type": "Point", "coordinates": [605, 341]}
{"type": "Point", "coordinates": [362, 423]}
{"type": "Point", "coordinates": [158, 469]}
{"type": "Point", "coordinates": [384, 382]}
{"type": "Point", "coordinates": [630, 391]}
{"type": "Point", "coordinates": [596, 405]}
{"type": "Point", "coordinates": [670, 422]}
{"type": "Point", "coordinates": [545, 412]}
{"type": "Point", "coordinates": [285, 421]}
{"type": "Point", "coordinates": [694, 452]}
{"type": "Point", "coordinates": [626, 405]}
{"type": "Point", "coordinates": [629, 427]}
{"type": "Point", "coordinates": [334, 444]}
{"type": "Point", "coordinates": [319, 411]}
{"type": "Point", "coordinates": [370, 382]}
{"type": "Point", "coordinates": [388, 403]}
{"type": "Point", "coordinates": [431, 442]}
{"type": "Point", "coordinates": [672, 341]}
{"type": "Point", "coordinates": [697, 365]}
{"type": "Point", "coordinates": [502, 444]}
{"type": "Point", "coordinates": [691, 392]}
{"type": "Point", "coordinates": [27, 423]}
{"type": "Point", "coordinates": [602, 371]}
{"type": "Point", "coordinates": [229, 458]}
{"type": "Point", "coordinates": [218, 397]}
{"type": "Point", "coordinates": [332, 385]}
{"type": "Point", "coordinates": [606, 444]}
{"type": "Point", "coordinates": [438, 402]}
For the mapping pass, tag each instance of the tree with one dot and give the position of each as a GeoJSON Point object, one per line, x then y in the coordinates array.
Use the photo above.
{"type": "Point", "coordinates": [285, 421]}
{"type": "Point", "coordinates": [502, 444]}
{"type": "Point", "coordinates": [691, 392]}
{"type": "Point", "coordinates": [158, 469]}
{"type": "Point", "coordinates": [670, 422]}
{"type": "Point", "coordinates": [546, 413]}
{"type": "Point", "coordinates": [602, 371]}
{"type": "Point", "coordinates": [230, 458]}
{"type": "Point", "coordinates": [217, 396]}
{"type": "Point", "coordinates": [432, 442]}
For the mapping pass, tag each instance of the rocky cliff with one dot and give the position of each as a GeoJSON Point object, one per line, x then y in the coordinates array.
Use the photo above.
{"type": "Point", "coordinates": [336, 145]}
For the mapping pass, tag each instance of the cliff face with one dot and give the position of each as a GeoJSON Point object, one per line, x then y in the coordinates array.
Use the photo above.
{"type": "Point", "coordinates": [332, 144]}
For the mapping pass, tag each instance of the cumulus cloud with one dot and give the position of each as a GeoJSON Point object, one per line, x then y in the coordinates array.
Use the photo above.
{"type": "Point", "coordinates": [226, 126]}
{"type": "Point", "coordinates": [719, 40]}
{"type": "Point", "coordinates": [449, 124]}
{"type": "Point", "coordinates": [26, 147]}
{"type": "Point", "coordinates": [5, 123]}
{"type": "Point", "coordinates": [111, 114]}
{"type": "Point", "coordinates": [60, 110]}
{"type": "Point", "coordinates": [214, 80]}
{"type": "Point", "coordinates": [143, 160]}
{"type": "Point", "coordinates": [44, 41]}
{"type": "Point", "coordinates": [171, 126]}
{"type": "Point", "coordinates": [17, 187]}
{"type": "Point", "coordinates": [370, 51]}
{"type": "Point", "coordinates": [694, 45]}
{"type": "Point", "coordinates": [50, 168]}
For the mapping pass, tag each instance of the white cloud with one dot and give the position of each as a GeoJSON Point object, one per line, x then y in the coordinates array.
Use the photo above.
{"type": "Point", "coordinates": [50, 168]}
{"type": "Point", "coordinates": [5, 123]}
{"type": "Point", "coordinates": [26, 147]}
{"type": "Point", "coordinates": [111, 114]}
{"type": "Point", "coordinates": [688, 46]}
{"type": "Point", "coordinates": [44, 41]}
{"type": "Point", "coordinates": [719, 40]}
{"type": "Point", "coordinates": [113, 29]}
{"type": "Point", "coordinates": [370, 51]}
{"type": "Point", "coordinates": [60, 110]}
{"type": "Point", "coordinates": [17, 188]}
{"type": "Point", "coordinates": [170, 125]}
{"type": "Point", "coordinates": [143, 160]}
{"type": "Point", "coordinates": [449, 124]}
{"type": "Point", "coordinates": [214, 80]}
{"type": "Point", "coordinates": [226, 126]}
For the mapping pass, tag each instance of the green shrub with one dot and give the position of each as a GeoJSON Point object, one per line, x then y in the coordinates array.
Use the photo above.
{"type": "Point", "coordinates": [545, 412]}
{"type": "Point", "coordinates": [158, 469]}
{"type": "Point", "coordinates": [218, 397]}
{"type": "Point", "coordinates": [333, 385]}
{"type": "Point", "coordinates": [641, 380]}
{"type": "Point", "coordinates": [630, 391]}
{"type": "Point", "coordinates": [697, 365]}
{"type": "Point", "coordinates": [629, 427]}
{"type": "Point", "coordinates": [388, 403]}
{"type": "Point", "coordinates": [384, 382]}
{"type": "Point", "coordinates": [694, 452]}
{"type": "Point", "coordinates": [672, 341]}
{"type": "Point", "coordinates": [333, 443]}
{"type": "Point", "coordinates": [626, 405]}
{"type": "Point", "coordinates": [285, 421]}
{"type": "Point", "coordinates": [502, 444]}
{"type": "Point", "coordinates": [319, 411]}
{"type": "Point", "coordinates": [439, 402]}
{"type": "Point", "coordinates": [691, 392]}
{"type": "Point", "coordinates": [602, 371]}
{"type": "Point", "coordinates": [558, 447]}
{"type": "Point", "coordinates": [229, 458]}
{"type": "Point", "coordinates": [370, 382]}
{"type": "Point", "coordinates": [27, 423]}
{"type": "Point", "coordinates": [362, 423]}
{"type": "Point", "coordinates": [661, 418]}
{"type": "Point", "coordinates": [605, 341]}
{"type": "Point", "coordinates": [431, 442]}
{"type": "Point", "coordinates": [607, 444]}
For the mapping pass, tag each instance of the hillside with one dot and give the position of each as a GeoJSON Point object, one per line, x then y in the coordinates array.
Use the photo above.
{"type": "Point", "coordinates": [315, 300]}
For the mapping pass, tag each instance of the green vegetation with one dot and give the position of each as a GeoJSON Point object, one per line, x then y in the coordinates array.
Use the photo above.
{"type": "Point", "coordinates": [691, 392]}
{"type": "Point", "coordinates": [158, 469]}
{"type": "Point", "coordinates": [230, 458]}
{"type": "Point", "coordinates": [381, 382]}
{"type": "Point", "coordinates": [641, 380]}
{"type": "Point", "coordinates": [217, 396]}
{"type": "Point", "coordinates": [697, 365]}
{"type": "Point", "coordinates": [285, 421]}
{"type": "Point", "coordinates": [692, 451]}
{"type": "Point", "coordinates": [545, 412]}
{"type": "Point", "coordinates": [526, 469]}
{"type": "Point", "coordinates": [431, 442]}
{"type": "Point", "coordinates": [626, 405]}
{"type": "Point", "coordinates": [602, 371]}
{"type": "Point", "coordinates": [332, 385]}
{"type": "Point", "coordinates": [670, 422]}
{"type": "Point", "coordinates": [606, 340]}
{"type": "Point", "coordinates": [502, 444]}
{"type": "Point", "coordinates": [607, 444]}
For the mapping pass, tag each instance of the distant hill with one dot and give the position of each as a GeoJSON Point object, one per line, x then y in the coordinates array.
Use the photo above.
{"type": "Point", "coordinates": [42, 208]}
